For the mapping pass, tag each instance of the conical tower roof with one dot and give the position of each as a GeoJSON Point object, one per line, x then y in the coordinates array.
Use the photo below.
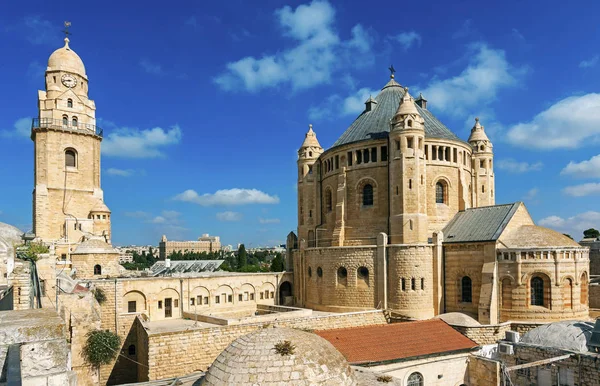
{"type": "Point", "coordinates": [310, 139]}
{"type": "Point", "coordinates": [478, 132]}
{"type": "Point", "coordinates": [407, 105]}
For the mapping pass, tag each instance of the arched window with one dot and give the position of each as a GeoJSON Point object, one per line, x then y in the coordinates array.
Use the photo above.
{"type": "Point", "coordinates": [74, 121]}
{"type": "Point", "coordinates": [69, 102]}
{"type": "Point", "coordinates": [342, 272]}
{"type": "Point", "coordinates": [440, 193]}
{"type": "Point", "coordinates": [328, 205]}
{"type": "Point", "coordinates": [415, 379]}
{"type": "Point", "coordinates": [537, 291]}
{"type": "Point", "coordinates": [367, 199]}
{"type": "Point", "coordinates": [309, 272]}
{"type": "Point", "coordinates": [409, 123]}
{"type": "Point", "coordinates": [65, 120]}
{"type": "Point", "coordinates": [97, 269]}
{"type": "Point", "coordinates": [362, 276]}
{"type": "Point", "coordinates": [567, 290]}
{"type": "Point", "coordinates": [583, 296]}
{"type": "Point", "coordinates": [466, 291]}
{"type": "Point", "coordinates": [71, 158]}
{"type": "Point", "coordinates": [319, 272]}
{"type": "Point", "coordinates": [131, 349]}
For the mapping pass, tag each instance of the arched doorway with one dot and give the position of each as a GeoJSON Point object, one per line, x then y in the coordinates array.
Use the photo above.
{"type": "Point", "coordinates": [285, 294]}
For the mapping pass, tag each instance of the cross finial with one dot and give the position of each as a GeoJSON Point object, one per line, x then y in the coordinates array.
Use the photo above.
{"type": "Point", "coordinates": [66, 30]}
{"type": "Point", "coordinates": [392, 71]}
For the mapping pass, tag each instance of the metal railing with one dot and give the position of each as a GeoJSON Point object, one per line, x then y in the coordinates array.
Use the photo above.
{"type": "Point", "coordinates": [49, 123]}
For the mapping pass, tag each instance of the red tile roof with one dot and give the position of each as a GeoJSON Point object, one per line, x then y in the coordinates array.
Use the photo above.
{"type": "Point", "coordinates": [396, 341]}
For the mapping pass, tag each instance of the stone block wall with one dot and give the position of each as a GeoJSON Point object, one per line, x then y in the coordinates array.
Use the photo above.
{"type": "Point", "coordinates": [410, 280]}
{"type": "Point", "coordinates": [330, 291]}
{"type": "Point", "coordinates": [178, 353]}
{"type": "Point", "coordinates": [595, 296]}
{"type": "Point", "coordinates": [583, 367]}
{"type": "Point", "coordinates": [483, 372]}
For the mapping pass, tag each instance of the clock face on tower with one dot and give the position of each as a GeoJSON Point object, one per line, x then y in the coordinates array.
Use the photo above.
{"type": "Point", "coordinates": [69, 80]}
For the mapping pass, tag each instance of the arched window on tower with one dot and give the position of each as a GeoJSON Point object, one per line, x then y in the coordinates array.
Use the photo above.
{"type": "Point", "coordinates": [466, 293]}
{"type": "Point", "coordinates": [69, 102]}
{"type": "Point", "coordinates": [65, 120]}
{"type": "Point", "coordinates": [537, 291]}
{"type": "Point", "coordinates": [74, 122]}
{"type": "Point", "coordinates": [440, 193]}
{"type": "Point", "coordinates": [97, 269]}
{"type": "Point", "coordinates": [367, 199]}
{"type": "Point", "coordinates": [70, 158]}
{"type": "Point", "coordinates": [415, 379]}
{"type": "Point", "coordinates": [409, 123]}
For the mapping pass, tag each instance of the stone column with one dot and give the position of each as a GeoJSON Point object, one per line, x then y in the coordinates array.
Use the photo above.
{"type": "Point", "coordinates": [438, 273]}
{"type": "Point", "coordinates": [381, 271]}
{"type": "Point", "coordinates": [518, 259]}
{"type": "Point", "coordinates": [556, 271]}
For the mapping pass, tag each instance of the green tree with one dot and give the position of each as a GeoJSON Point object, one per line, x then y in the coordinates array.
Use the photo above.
{"type": "Point", "coordinates": [242, 257]}
{"type": "Point", "coordinates": [277, 263]}
{"type": "Point", "coordinates": [101, 347]}
{"type": "Point", "coordinates": [591, 233]}
{"type": "Point", "coordinates": [568, 235]}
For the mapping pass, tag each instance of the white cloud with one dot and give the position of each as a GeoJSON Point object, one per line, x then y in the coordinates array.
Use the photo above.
{"type": "Point", "coordinates": [21, 128]}
{"type": "Point", "coordinates": [228, 197]}
{"type": "Point", "coordinates": [135, 143]}
{"type": "Point", "coordinates": [590, 62]}
{"type": "Point", "coordinates": [120, 172]}
{"type": "Point", "coordinates": [408, 39]}
{"type": "Point", "coordinates": [589, 189]}
{"type": "Point", "coordinates": [337, 106]}
{"type": "Point", "coordinates": [150, 67]}
{"type": "Point", "coordinates": [170, 217]}
{"type": "Point", "coordinates": [513, 166]}
{"type": "Point", "coordinates": [39, 31]}
{"type": "Point", "coordinates": [531, 194]}
{"type": "Point", "coordinates": [573, 225]}
{"type": "Point", "coordinates": [229, 216]}
{"type": "Point", "coordinates": [465, 30]}
{"type": "Point", "coordinates": [583, 169]}
{"type": "Point", "coordinates": [487, 73]}
{"type": "Point", "coordinates": [567, 124]}
{"type": "Point", "coordinates": [268, 220]}
{"type": "Point", "coordinates": [317, 53]}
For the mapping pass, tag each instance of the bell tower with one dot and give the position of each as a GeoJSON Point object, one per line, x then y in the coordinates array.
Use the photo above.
{"type": "Point", "coordinates": [68, 201]}
{"type": "Point", "coordinates": [483, 168]}
{"type": "Point", "coordinates": [308, 179]}
{"type": "Point", "coordinates": [408, 217]}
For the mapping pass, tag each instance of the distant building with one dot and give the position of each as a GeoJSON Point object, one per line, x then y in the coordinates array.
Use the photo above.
{"type": "Point", "coordinates": [205, 243]}
{"type": "Point", "coordinates": [181, 267]}
{"type": "Point", "coordinates": [594, 245]}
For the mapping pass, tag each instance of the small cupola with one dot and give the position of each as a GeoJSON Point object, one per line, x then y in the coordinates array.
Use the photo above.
{"type": "Point", "coordinates": [422, 102]}
{"type": "Point", "coordinates": [370, 104]}
{"type": "Point", "coordinates": [478, 133]}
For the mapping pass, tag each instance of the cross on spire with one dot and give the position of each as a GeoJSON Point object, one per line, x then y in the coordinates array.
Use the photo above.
{"type": "Point", "coordinates": [66, 30]}
{"type": "Point", "coordinates": [392, 71]}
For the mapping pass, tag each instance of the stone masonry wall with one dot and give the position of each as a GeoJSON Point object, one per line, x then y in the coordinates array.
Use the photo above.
{"type": "Point", "coordinates": [584, 368]}
{"type": "Point", "coordinates": [177, 353]}
{"type": "Point", "coordinates": [412, 264]}
{"type": "Point", "coordinates": [332, 292]}
{"type": "Point", "coordinates": [483, 372]}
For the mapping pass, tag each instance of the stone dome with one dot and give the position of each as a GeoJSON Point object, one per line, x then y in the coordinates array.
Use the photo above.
{"type": "Point", "coordinates": [94, 245]}
{"type": "Point", "coordinates": [533, 236]}
{"type": "Point", "coordinates": [569, 335]}
{"type": "Point", "coordinates": [458, 319]}
{"type": "Point", "coordinates": [66, 59]}
{"type": "Point", "coordinates": [253, 360]}
{"type": "Point", "coordinates": [10, 234]}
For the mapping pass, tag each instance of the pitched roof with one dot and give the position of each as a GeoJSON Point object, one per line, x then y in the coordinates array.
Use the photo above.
{"type": "Point", "coordinates": [375, 123]}
{"type": "Point", "coordinates": [479, 224]}
{"type": "Point", "coordinates": [396, 341]}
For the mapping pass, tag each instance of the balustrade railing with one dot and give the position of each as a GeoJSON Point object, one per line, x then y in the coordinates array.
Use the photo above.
{"type": "Point", "coordinates": [49, 123]}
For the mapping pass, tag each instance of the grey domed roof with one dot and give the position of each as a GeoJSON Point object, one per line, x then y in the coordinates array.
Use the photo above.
{"type": "Point", "coordinates": [10, 235]}
{"type": "Point", "coordinates": [375, 123]}
{"type": "Point", "coordinates": [94, 245]}
{"type": "Point", "coordinates": [569, 335]}
{"type": "Point", "coordinates": [458, 319]}
{"type": "Point", "coordinates": [253, 359]}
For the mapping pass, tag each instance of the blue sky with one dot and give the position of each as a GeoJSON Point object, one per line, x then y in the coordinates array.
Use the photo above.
{"type": "Point", "coordinates": [204, 104]}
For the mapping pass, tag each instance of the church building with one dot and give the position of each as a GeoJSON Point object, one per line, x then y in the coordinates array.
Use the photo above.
{"type": "Point", "coordinates": [400, 214]}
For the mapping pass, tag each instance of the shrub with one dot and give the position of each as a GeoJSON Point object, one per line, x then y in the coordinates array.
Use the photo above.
{"type": "Point", "coordinates": [285, 348]}
{"type": "Point", "coordinates": [384, 379]}
{"type": "Point", "coordinates": [101, 347]}
{"type": "Point", "coordinates": [99, 295]}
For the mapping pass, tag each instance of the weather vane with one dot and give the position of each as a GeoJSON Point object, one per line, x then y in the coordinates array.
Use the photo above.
{"type": "Point", "coordinates": [66, 30]}
{"type": "Point", "coordinates": [392, 71]}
